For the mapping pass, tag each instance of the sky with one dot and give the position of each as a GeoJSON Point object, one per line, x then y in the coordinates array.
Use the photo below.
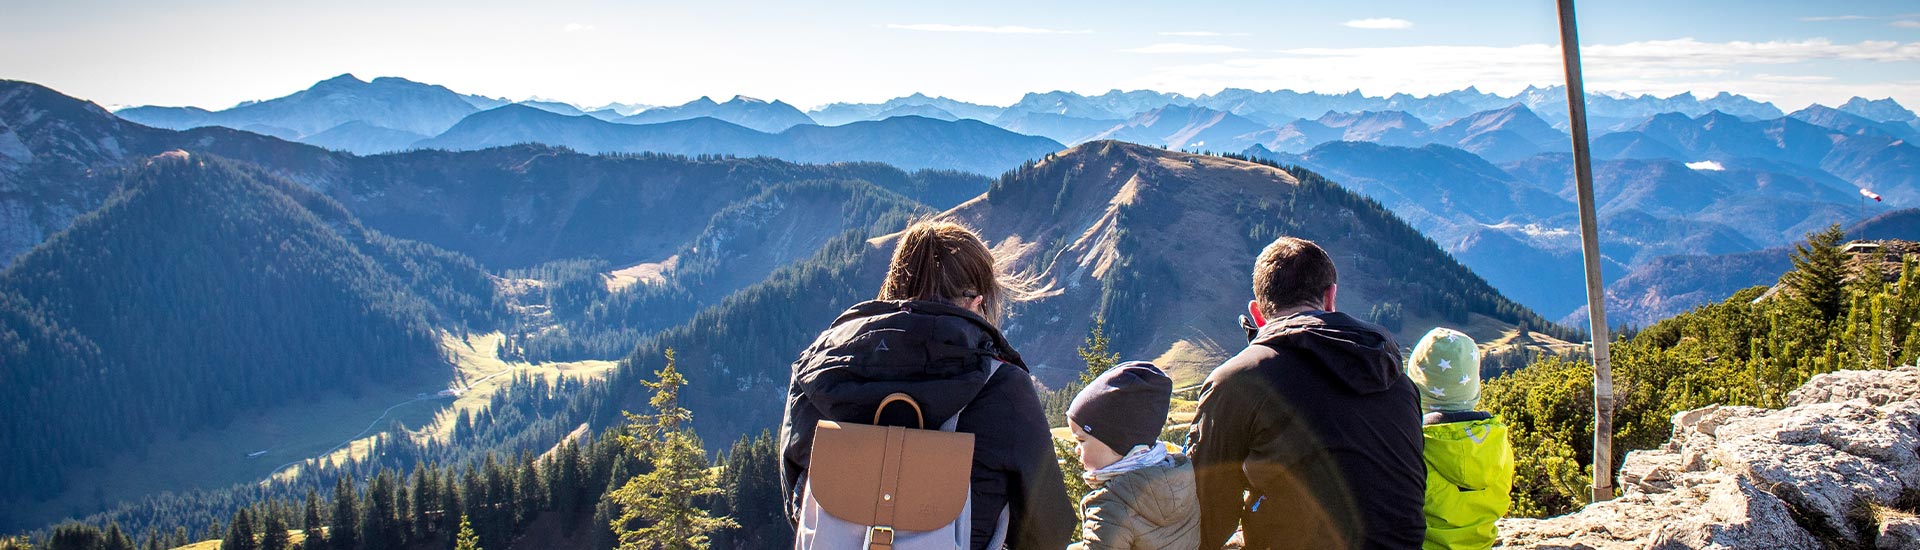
{"type": "Point", "coordinates": [214, 54]}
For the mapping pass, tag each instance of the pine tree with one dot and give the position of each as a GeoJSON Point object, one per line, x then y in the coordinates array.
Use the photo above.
{"type": "Point", "coordinates": [465, 539]}
{"type": "Point", "coordinates": [275, 536]}
{"type": "Point", "coordinates": [496, 512]}
{"type": "Point", "coordinates": [383, 528]}
{"type": "Point", "coordinates": [117, 539]}
{"type": "Point", "coordinates": [450, 510]}
{"type": "Point", "coordinates": [313, 524]}
{"type": "Point", "coordinates": [1095, 352]}
{"type": "Point", "coordinates": [663, 499]}
{"type": "Point", "coordinates": [1095, 355]}
{"type": "Point", "coordinates": [425, 498]}
{"type": "Point", "coordinates": [750, 473]}
{"type": "Point", "coordinates": [527, 487]}
{"type": "Point", "coordinates": [343, 533]}
{"type": "Point", "coordinates": [76, 536]}
{"type": "Point", "coordinates": [1820, 271]}
{"type": "Point", "coordinates": [1074, 473]}
{"type": "Point", "coordinates": [240, 533]}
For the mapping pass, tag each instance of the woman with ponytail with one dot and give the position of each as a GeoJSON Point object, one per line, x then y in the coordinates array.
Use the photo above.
{"type": "Point", "coordinates": [933, 333]}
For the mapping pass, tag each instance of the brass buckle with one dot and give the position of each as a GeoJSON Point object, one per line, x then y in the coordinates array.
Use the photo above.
{"type": "Point", "coordinates": [874, 536]}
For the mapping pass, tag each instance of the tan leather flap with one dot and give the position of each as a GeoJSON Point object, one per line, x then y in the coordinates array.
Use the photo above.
{"type": "Point", "coordinates": [911, 480]}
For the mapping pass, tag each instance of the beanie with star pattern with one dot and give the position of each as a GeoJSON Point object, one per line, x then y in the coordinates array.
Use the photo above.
{"type": "Point", "coordinates": [1446, 368]}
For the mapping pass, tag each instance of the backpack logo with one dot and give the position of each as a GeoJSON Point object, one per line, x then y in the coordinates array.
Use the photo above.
{"type": "Point", "coordinates": [882, 346]}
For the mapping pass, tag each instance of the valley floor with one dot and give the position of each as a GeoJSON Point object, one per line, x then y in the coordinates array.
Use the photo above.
{"type": "Point", "coordinates": [330, 428]}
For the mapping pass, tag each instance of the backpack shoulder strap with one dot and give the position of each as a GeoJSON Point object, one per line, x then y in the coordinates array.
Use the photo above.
{"type": "Point", "coordinates": [993, 368]}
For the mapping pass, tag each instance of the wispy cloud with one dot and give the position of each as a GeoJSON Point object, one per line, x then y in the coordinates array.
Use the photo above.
{"type": "Point", "coordinates": [1000, 29]}
{"type": "Point", "coordinates": [576, 27]}
{"type": "Point", "coordinates": [1380, 23]}
{"type": "Point", "coordinates": [1202, 34]}
{"type": "Point", "coordinates": [1907, 23]}
{"type": "Point", "coordinates": [1803, 79]}
{"type": "Point", "coordinates": [1184, 48]}
{"type": "Point", "coordinates": [1904, 24]}
{"type": "Point", "coordinates": [1687, 52]}
{"type": "Point", "coordinates": [1662, 67]}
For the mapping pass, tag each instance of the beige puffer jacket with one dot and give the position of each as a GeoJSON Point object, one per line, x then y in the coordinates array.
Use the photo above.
{"type": "Point", "coordinates": [1148, 508]}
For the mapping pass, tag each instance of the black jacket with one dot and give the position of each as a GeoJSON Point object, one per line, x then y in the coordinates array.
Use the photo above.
{"type": "Point", "coordinates": [939, 354]}
{"type": "Point", "coordinates": [1318, 427]}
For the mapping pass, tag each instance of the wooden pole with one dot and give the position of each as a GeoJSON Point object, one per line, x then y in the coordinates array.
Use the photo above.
{"type": "Point", "coordinates": [1590, 248]}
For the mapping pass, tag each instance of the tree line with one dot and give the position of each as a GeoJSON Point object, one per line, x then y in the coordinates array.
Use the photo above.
{"type": "Point", "coordinates": [597, 323]}
{"type": "Point", "coordinates": [1830, 312]}
{"type": "Point", "coordinates": [646, 483]}
{"type": "Point", "coordinates": [202, 289]}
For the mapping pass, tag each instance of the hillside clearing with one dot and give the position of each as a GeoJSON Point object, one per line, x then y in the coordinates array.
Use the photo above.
{"type": "Point", "coordinates": [479, 373]}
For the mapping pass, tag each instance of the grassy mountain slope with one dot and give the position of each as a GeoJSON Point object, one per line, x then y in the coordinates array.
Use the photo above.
{"type": "Point", "coordinates": [204, 289]}
{"type": "Point", "coordinates": [1159, 243]}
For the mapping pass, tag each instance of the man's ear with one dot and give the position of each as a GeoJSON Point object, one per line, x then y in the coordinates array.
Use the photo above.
{"type": "Point", "coordinates": [1332, 290]}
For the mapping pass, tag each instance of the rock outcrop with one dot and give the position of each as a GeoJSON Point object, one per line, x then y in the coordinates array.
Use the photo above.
{"type": "Point", "coordinates": [1839, 467]}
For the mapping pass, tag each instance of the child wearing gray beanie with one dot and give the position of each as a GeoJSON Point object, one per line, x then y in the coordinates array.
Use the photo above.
{"type": "Point", "coordinates": [1143, 495]}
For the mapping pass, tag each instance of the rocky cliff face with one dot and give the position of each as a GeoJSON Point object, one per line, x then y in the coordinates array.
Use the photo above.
{"type": "Point", "coordinates": [1839, 467]}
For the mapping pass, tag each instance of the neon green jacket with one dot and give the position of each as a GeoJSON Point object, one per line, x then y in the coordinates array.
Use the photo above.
{"type": "Point", "coordinates": [1469, 481]}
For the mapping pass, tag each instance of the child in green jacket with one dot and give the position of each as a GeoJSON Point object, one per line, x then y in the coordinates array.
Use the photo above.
{"type": "Point", "coordinates": [1469, 462]}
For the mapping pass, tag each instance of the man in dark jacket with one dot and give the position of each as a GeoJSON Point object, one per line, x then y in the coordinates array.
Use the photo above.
{"type": "Point", "coordinates": [1310, 437]}
{"type": "Point", "coordinates": [940, 355]}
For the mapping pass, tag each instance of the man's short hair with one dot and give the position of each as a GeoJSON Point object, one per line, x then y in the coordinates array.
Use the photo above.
{"type": "Point", "coordinates": [1292, 272]}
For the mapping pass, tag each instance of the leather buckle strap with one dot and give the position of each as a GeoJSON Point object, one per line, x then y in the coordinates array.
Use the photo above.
{"type": "Point", "coordinates": [879, 537]}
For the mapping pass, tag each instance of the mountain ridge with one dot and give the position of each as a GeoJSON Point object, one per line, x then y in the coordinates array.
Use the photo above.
{"type": "Point", "coordinates": [910, 142]}
{"type": "Point", "coordinates": [1108, 230]}
{"type": "Point", "coordinates": [769, 117]}
{"type": "Point", "coordinates": [283, 281]}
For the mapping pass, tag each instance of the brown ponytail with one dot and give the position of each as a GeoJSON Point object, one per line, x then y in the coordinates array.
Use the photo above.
{"type": "Point", "coordinates": [944, 261]}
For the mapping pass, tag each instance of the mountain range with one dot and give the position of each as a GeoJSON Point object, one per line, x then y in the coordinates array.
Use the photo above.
{"type": "Point", "coordinates": [1677, 175]}
{"type": "Point", "coordinates": [1669, 285]}
{"type": "Point", "coordinates": [569, 233]}
{"type": "Point", "coordinates": [386, 102]}
{"type": "Point", "coordinates": [1158, 244]}
{"type": "Point", "coordinates": [393, 114]}
{"type": "Point", "coordinates": [184, 247]}
{"type": "Point", "coordinates": [200, 273]}
{"type": "Point", "coordinates": [177, 279]}
{"type": "Point", "coordinates": [1672, 184]}
{"type": "Point", "coordinates": [425, 110]}
{"type": "Point", "coordinates": [383, 257]}
{"type": "Point", "coordinates": [909, 142]}
{"type": "Point", "coordinates": [841, 113]}
{"type": "Point", "coordinates": [770, 117]}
